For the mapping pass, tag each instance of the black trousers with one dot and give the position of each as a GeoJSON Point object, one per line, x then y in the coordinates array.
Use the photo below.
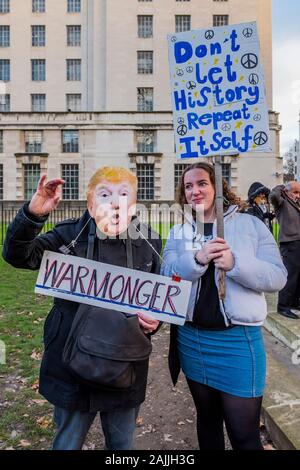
{"type": "Point", "coordinates": [289, 295]}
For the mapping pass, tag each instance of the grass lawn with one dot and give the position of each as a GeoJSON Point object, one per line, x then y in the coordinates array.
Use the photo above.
{"type": "Point", "coordinates": [25, 419]}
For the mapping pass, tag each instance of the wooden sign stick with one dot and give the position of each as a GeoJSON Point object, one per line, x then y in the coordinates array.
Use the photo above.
{"type": "Point", "coordinates": [220, 218]}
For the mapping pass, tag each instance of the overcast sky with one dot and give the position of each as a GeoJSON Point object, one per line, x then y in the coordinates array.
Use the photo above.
{"type": "Point", "coordinates": [286, 68]}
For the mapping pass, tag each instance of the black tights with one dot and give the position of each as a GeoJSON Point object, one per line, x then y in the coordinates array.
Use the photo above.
{"type": "Point", "coordinates": [241, 417]}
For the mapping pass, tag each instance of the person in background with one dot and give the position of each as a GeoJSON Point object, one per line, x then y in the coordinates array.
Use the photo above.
{"type": "Point", "coordinates": [220, 348]}
{"type": "Point", "coordinates": [258, 203]}
{"type": "Point", "coordinates": [285, 199]}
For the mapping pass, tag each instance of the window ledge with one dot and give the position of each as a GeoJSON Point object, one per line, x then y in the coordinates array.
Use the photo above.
{"type": "Point", "coordinates": [28, 154]}
{"type": "Point", "coordinates": [147, 154]}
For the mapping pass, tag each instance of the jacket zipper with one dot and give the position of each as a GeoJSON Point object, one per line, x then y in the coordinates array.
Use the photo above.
{"type": "Point", "coordinates": [225, 316]}
{"type": "Point", "coordinates": [221, 301]}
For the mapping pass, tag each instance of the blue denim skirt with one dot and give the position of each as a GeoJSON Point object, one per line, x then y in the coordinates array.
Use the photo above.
{"type": "Point", "coordinates": [232, 360]}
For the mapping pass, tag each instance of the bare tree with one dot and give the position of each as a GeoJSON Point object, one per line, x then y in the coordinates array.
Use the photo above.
{"type": "Point", "coordinates": [289, 162]}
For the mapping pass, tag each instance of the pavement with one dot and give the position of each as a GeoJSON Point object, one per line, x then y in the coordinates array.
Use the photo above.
{"type": "Point", "coordinates": [281, 404]}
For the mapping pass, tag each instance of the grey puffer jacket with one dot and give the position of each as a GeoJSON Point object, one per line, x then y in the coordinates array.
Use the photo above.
{"type": "Point", "coordinates": [258, 267]}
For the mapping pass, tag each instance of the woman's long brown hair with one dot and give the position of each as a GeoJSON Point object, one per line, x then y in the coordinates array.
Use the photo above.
{"type": "Point", "coordinates": [229, 197]}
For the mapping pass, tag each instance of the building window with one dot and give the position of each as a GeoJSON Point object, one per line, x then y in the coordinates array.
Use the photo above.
{"type": "Point", "coordinates": [145, 176]}
{"type": "Point", "coordinates": [145, 99]}
{"type": "Point", "coordinates": [70, 141]}
{"type": "Point", "coordinates": [178, 170]}
{"type": "Point", "coordinates": [74, 35]}
{"type": "Point", "coordinates": [32, 172]}
{"type": "Point", "coordinates": [1, 142]}
{"type": "Point", "coordinates": [1, 182]}
{"type": "Point", "coordinates": [182, 23]}
{"type": "Point", "coordinates": [220, 20]}
{"type": "Point", "coordinates": [74, 70]}
{"type": "Point", "coordinates": [38, 70]}
{"type": "Point", "coordinates": [145, 26]}
{"type": "Point", "coordinates": [4, 36]}
{"type": "Point", "coordinates": [220, 0]}
{"type": "Point", "coordinates": [4, 103]}
{"type": "Point", "coordinates": [38, 36]}
{"type": "Point", "coordinates": [74, 6]}
{"type": "Point", "coordinates": [4, 6]}
{"type": "Point", "coordinates": [74, 102]}
{"type": "Point", "coordinates": [38, 6]}
{"type": "Point", "coordinates": [38, 102]}
{"type": "Point", "coordinates": [70, 173]}
{"type": "Point", "coordinates": [145, 0]}
{"type": "Point", "coordinates": [145, 61]}
{"type": "Point", "coordinates": [33, 141]}
{"type": "Point", "coordinates": [226, 172]}
{"type": "Point", "coordinates": [182, 0]}
{"type": "Point", "coordinates": [5, 70]}
{"type": "Point", "coordinates": [145, 141]}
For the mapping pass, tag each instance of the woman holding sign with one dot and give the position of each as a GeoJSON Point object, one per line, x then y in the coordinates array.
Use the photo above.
{"type": "Point", "coordinates": [220, 348]}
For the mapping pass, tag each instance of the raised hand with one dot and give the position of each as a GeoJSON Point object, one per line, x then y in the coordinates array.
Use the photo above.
{"type": "Point", "coordinates": [47, 196]}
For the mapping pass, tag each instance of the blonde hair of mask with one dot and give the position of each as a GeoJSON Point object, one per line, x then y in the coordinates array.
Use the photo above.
{"type": "Point", "coordinates": [115, 175]}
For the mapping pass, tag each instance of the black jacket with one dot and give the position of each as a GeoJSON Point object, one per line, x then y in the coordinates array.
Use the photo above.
{"type": "Point", "coordinates": [265, 217]}
{"type": "Point", "coordinates": [23, 248]}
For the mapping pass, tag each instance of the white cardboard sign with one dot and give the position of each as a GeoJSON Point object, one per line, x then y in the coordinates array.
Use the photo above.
{"type": "Point", "coordinates": [218, 91]}
{"type": "Point", "coordinates": [100, 284]}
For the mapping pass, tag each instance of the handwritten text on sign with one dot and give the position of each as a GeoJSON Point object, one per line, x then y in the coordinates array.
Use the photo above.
{"type": "Point", "coordinates": [100, 284]}
{"type": "Point", "coordinates": [218, 91]}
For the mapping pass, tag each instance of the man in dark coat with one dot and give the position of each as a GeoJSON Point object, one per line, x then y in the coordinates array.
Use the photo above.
{"type": "Point", "coordinates": [285, 199]}
{"type": "Point", "coordinates": [111, 200]}
{"type": "Point", "coordinates": [258, 203]}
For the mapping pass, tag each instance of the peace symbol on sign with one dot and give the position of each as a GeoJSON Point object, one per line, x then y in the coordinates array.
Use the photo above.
{"type": "Point", "coordinates": [260, 138]}
{"type": "Point", "coordinates": [182, 129]}
{"type": "Point", "coordinates": [257, 117]}
{"type": "Point", "coordinates": [191, 85]}
{"type": "Point", "coordinates": [189, 69]}
{"type": "Point", "coordinates": [247, 32]}
{"type": "Point", "coordinates": [180, 120]}
{"type": "Point", "coordinates": [253, 79]}
{"type": "Point", "coordinates": [180, 72]}
{"type": "Point", "coordinates": [249, 61]}
{"type": "Point", "coordinates": [209, 34]}
{"type": "Point", "coordinates": [226, 127]}
{"type": "Point", "coordinates": [173, 38]}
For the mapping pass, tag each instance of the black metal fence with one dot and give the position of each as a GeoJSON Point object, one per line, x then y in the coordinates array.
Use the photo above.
{"type": "Point", "coordinates": [160, 215]}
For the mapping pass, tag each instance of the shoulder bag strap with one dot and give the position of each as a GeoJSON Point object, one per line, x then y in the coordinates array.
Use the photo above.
{"type": "Point", "coordinates": [91, 240]}
{"type": "Point", "coordinates": [129, 256]}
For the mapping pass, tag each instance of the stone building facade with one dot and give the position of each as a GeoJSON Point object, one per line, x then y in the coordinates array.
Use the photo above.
{"type": "Point", "coordinates": [85, 83]}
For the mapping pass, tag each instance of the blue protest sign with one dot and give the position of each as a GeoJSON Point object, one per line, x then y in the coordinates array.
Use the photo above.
{"type": "Point", "coordinates": [218, 92]}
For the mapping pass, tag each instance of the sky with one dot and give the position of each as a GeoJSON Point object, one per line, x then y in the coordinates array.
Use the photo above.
{"type": "Point", "coordinates": [286, 68]}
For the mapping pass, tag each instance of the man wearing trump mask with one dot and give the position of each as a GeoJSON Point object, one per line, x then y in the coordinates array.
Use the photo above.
{"type": "Point", "coordinates": [111, 200]}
